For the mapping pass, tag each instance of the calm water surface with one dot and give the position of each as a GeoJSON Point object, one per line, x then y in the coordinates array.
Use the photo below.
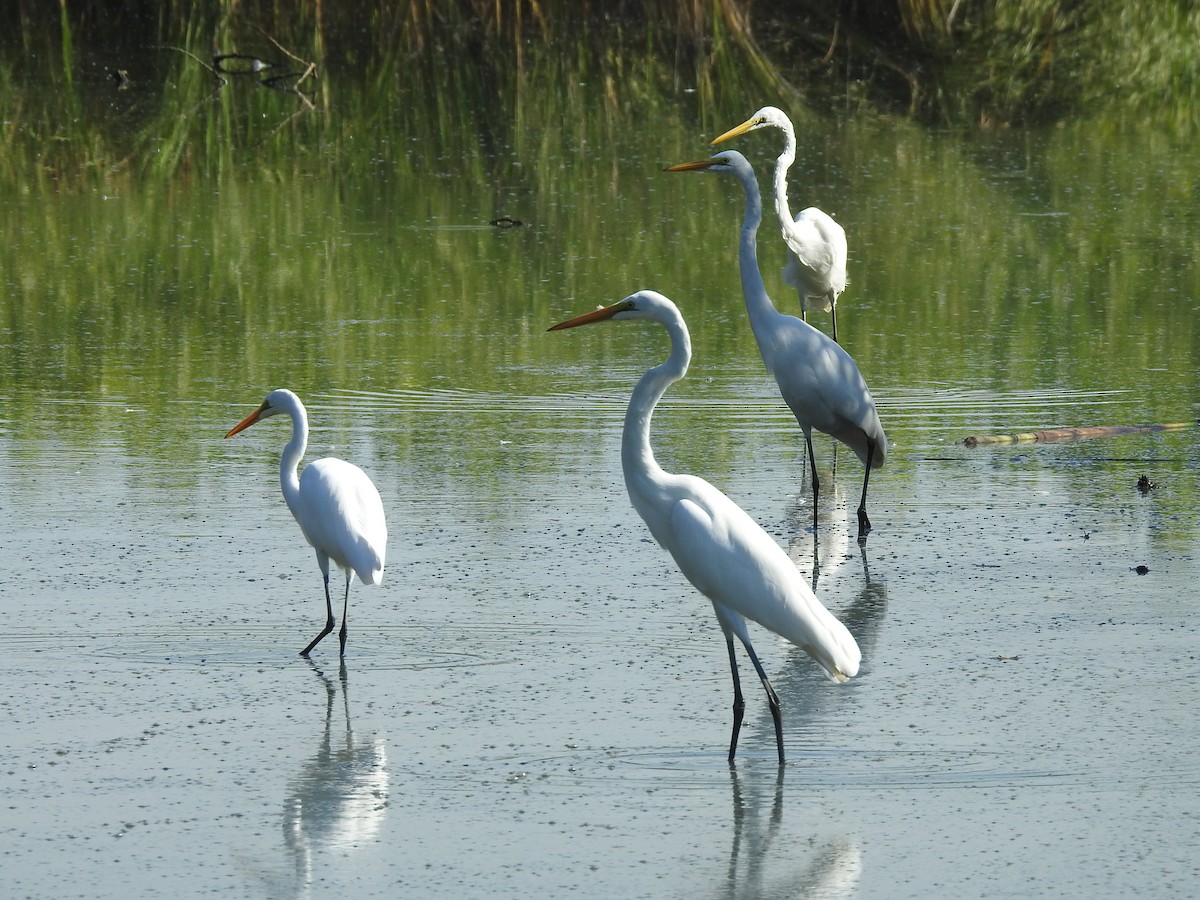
{"type": "Point", "coordinates": [534, 702]}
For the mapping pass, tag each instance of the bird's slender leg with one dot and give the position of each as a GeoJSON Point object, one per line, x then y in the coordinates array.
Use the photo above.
{"type": "Point", "coordinates": [864, 524]}
{"type": "Point", "coordinates": [812, 464]}
{"type": "Point", "coordinates": [739, 702]}
{"type": "Point", "coordinates": [345, 607]}
{"type": "Point", "coordinates": [772, 699]}
{"type": "Point", "coordinates": [833, 314]}
{"type": "Point", "coordinates": [328, 621]}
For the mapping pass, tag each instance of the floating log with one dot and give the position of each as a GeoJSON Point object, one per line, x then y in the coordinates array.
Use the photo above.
{"type": "Point", "coordinates": [1070, 434]}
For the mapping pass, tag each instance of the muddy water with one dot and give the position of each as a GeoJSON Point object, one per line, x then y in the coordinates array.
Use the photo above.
{"type": "Point", "coordinates": [534, 703]}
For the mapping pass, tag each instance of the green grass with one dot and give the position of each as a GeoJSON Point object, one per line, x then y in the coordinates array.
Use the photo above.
{"type": "Point", "coordinates": [66, 120]}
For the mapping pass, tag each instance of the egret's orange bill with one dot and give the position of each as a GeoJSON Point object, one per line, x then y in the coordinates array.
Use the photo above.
{"type": "Point", "coordinates": [696, 166]}
{"type": "Point", "coordinates": [734, 132]}
{"type": "Point", "coordinates": [596, 315]}
{"type": "Point", "coordinates": [246, 422]}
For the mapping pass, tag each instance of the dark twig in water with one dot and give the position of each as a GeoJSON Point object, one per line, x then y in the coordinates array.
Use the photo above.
{"type": "Point", "coordinates": [282, 49]}
{"type": "Point", "coordinates": [289, 83]}
{"type": "Point", "coordinates": [310, 68]}
{"type": "Point", "coordinates": [308, 106]}
{"type": "Point", "coordinates": [212, 71]}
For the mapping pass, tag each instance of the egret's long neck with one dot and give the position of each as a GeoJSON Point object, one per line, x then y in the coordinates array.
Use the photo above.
{"type": "Point", "coordinates": [782, 163]}
{"type": "Point", "coordinates": [758, 303]}
{"type": "Point", "coordinates": [293, 452]}
{"type": "Point", "coordinates": [637, 458]}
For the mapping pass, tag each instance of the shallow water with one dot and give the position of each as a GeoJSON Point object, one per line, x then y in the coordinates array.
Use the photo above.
{"type": "Point", "coordinates": [534, 702]}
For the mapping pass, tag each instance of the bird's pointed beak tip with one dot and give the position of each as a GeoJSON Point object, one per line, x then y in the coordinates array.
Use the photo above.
{"type": "Point", "coordinates": [245, 423]}
{"type": "Point", "coordinates": [690, 166]}
{"type": "Point", "coordinates": [736, 131]}
{"type": "Point", "coordinates": [599, 314]}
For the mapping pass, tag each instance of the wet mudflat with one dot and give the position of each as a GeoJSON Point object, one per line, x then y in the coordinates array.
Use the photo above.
{"type": "Point", "coordinates": [534, 702]}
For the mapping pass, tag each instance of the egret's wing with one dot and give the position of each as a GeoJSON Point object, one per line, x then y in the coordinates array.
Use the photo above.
{"type": "Point", "coordinates": [702, 551]}
{"type": "Point", "coordinates": [817, 262]}
{"type": "Point", "coordinates": [823, 386]}
{"type": "Point", "coordinates": [344, 516]}
{"type": "Point", "coordinates": [741, 568]}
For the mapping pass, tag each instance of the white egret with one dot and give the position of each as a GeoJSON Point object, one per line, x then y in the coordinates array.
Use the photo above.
{"type": "Point", "coordinates": [335, 504]}
{"type": "Point", "coordinates": [819, 381]}
{"type": "Point", "coordinates": [718, 547]}
{"type": "Point", "coordinates": [816, 265]}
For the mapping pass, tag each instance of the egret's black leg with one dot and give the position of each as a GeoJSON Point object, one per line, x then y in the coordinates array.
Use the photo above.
{"type": "Point", "coordinates": [345, 607]}
{"type": "Point", "coordinates": [328, 622]}
{"type": "Point", "coordinates": [864, 524]}
{"type": "Point", "coordinates": [833, 314]}
{"type": "Point", "coordinates": [772, 699]}
{"type": "Point", "coordinates": [812, 465]}
{"type": "Point", "coordinates": [739, 702]}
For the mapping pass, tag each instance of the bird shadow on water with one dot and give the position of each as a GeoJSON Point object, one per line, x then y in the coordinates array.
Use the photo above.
{"type": "Point", "coordinates": [339, 799]}
{"type": "Point", "coordinates": [757, 869]}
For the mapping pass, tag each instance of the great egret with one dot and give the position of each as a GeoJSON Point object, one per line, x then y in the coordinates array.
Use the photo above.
{"type": "Point", "coordinates": [818, 379]}
{"type": "Point", "coordinates": [718, 547]}
{"type": "Point", "coordinates": [816, 265]}
{"type": "Point", "coordinates": [335, 504]}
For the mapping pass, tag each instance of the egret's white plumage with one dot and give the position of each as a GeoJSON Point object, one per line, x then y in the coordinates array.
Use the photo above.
{"type": "Point", "coordinates": [335, 504]}
{"type": "Point", "coordinates": [816, 264]}
{"type": "Point", "coordinates": [819, 381]}
{"type": "Point", "coordinates": [718, 547]}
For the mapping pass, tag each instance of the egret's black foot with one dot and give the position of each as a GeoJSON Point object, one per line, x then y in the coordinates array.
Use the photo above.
{"type": "Point", "coordinates": [864, 524]}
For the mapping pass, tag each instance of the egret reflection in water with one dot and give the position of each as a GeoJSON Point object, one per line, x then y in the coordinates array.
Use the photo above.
{"type": "Point", "coordinates": [755, 868]}
{"type": "Point", "coordinates": [858, 600]}
{"type": "Point", "coordinates": [338, 801]}
{"type": "Point", "coordinates": [830, 556]}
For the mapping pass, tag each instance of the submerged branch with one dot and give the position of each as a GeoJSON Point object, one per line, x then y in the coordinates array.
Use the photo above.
{"type": "Point", "coordinates": [1070, 434]}
{"type": "Point", "coordinates": [212, 70]}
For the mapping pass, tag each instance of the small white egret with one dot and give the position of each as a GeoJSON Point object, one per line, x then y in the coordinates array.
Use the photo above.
{"type": "Point", "coordinates": [819, 381]}
{"type": "Point", "coordinates": [816, 265]}
{"type": "Point", "coordinates": [718, 547]}
{"type": "Point", "coordinates": [335, 504]}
